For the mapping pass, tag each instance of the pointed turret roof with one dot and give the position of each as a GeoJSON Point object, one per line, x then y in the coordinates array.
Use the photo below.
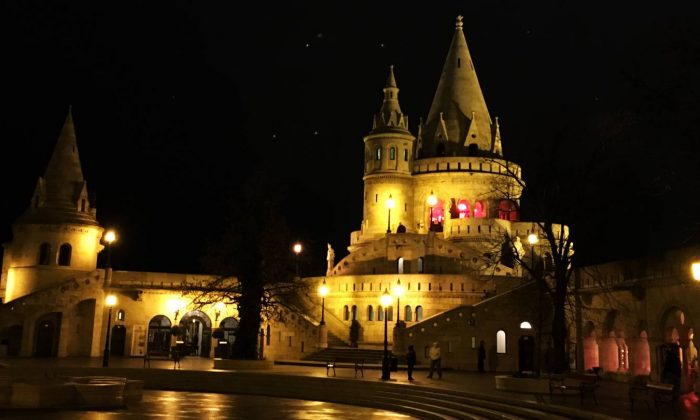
{"type": "Point", "coordinates": [390, 118]}
{"type": "Point", "coordinates": [59, 193]}
{"type": "Point", "coordinates": [458, 115]}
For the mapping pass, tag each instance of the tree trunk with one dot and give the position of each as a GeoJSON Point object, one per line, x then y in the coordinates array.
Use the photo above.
{"type": "Point", "coordinates": [560, 362]}
{"type": "Point", "coordinates": [249, 309]}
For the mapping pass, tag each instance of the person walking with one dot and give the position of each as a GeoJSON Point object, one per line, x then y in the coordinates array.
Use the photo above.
{"type": "Point", "coordinates": [435, 360]}
{"type": "Point", "coordinates": [482, 356]}
{"type": "Point", "coordinates": [410, 361]}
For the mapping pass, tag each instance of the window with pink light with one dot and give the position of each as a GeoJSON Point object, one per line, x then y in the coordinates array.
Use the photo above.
{"type": "Point", "coordinates": [463, 208]}
{"type": "Point", "coordinates": [479, 209]}
{"type": "Point", "coordinates": [507, 210]}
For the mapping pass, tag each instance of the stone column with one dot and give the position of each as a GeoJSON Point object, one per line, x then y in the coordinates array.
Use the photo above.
{"type": "Point", "coordinates": [322, 336]}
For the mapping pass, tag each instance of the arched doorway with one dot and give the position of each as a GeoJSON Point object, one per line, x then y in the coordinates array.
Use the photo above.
{"type": "Point", "coordinates": [47, 331]}
{"type": "Point", "coordinates": [159, 336]}
{"type": "Point", "coordinates": [196, 333]}
{"type": "Point", "coordinates": [678, 353]}
{"type": "Point", "coordinates": [229, 328]}
{"type": "Point", "coordinates": [526, 354]}
{"type": "Point", "coordinates": [80, 343]}
{"type": "Point", "coordinates": [116, 347]}
{"type": "Point", "coordinates": [591, 357]}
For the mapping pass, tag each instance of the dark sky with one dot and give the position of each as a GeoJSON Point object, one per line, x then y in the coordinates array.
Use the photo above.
{"type": "Point", "coordinates": [176, 104]}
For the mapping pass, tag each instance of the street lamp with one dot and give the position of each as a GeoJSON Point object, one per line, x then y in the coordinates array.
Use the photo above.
{"type": "Point", "coordinates": [695, 270]}
{"type": "Point", "coordinates": [110, 301]}
{"type": "Point", "coordinates": [323, 292]}
{"type": "Point", "coordinates": [386, 301]}
{"type": "Point", "coordinates": [217, 310]}
{"type": "Point", "coordinates": [109, 237]}
{"type": "Point", "coordinates": [432, 201]}
{"type": "Point", "coordinates": [297, 248]}
{"type": "Point", "coordinates": [398, 292]}
{"type": "Point", "coordinates": [532, 239]}
{"type": "Point", "coordinates": [389, 206]}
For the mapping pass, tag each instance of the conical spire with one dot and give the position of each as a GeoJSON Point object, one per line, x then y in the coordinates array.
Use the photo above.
{"type": "Point", "coordinates": [390, 117]}
{"type": "Point", "coordinates": [61, 194]}
{"type": "Point", "coordinates": [458, 106]}
{"type": "Point", "coordinates": [64, 175]}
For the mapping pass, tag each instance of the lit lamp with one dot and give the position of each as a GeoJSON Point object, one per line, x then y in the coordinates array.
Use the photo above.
{"type": "Point", "coordinates": [386, 301]}
{"type": "Point", "coordinates": [432, 201]}
{"type": "Point", "coordinates": [110, 301]}
{"type": "Point", "coordinates": [217, 310]}
{"type": "Point", "coordinates": [297, 248]}
{"type": "Point", "coordinates": [323, 292]}
{"type": "Point", "coordinates": [398, 292]}
{"type": "Point", "coordinates": [322, 329]}
{"type": "Point", "coordinates": [695, 270]}
{"type": "Point", "coordinates": [532, 239]}
{"type": "Point", "coordinates": [389, 205]}
{"type": "Point", "coordinates": [174, 305]}
{"type": "Point", "coordinates": [109, 237]}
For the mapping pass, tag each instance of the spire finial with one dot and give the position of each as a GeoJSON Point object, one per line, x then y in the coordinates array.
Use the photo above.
{"type": "Point", "coordinates": [391, 80]}
{"type": "Point", "coordinates": [458, 23]}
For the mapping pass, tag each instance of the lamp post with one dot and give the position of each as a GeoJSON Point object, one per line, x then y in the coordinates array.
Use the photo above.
{"type": "Point", "coordinates": [109, 237]}
{"type": "Point", "coordinates": [386, 301]}
{"type": "Point", "coordinates": [398, 292]}
{"type": "Point", "coordinates": [432, 201]}
{"type": "Point", "coordinates": [532, 239]}
{"type": "Point", "coordinates": [110, 301]}
{"type": "Point", "coordinates": [322, 329]}
{"type": "Point", "coordinates": [389, 205]}
{"type": "Point", "coordinates": [297, 248]}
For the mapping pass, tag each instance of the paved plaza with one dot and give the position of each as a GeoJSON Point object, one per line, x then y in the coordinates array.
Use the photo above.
{"type": "Point", "coordinates": [612, 396]}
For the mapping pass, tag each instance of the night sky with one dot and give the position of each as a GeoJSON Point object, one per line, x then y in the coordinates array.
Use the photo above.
{"type": "Point", "coordinates": [176, 104]}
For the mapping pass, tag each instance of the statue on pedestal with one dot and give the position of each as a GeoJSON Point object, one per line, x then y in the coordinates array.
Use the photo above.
{"type": "Point", "coordinates": [330, 258]}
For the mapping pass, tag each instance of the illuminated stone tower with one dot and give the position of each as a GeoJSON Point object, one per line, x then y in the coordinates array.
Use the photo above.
{"type": "Point", "coordinates": [388, 161]}
{"type": "Point", "coordinates": [58, 236]}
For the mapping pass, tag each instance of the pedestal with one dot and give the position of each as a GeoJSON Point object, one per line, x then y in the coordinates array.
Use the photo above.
{"type": "Point", "coordinates": [322, 336]}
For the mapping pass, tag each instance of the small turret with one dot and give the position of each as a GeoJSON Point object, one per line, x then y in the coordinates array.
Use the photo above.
{"type": "Point", "coordinates": [390, 117]}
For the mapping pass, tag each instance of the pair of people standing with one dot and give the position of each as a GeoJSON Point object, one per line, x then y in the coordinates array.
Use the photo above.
{"type": "Point", "coordinates": [435, 361]}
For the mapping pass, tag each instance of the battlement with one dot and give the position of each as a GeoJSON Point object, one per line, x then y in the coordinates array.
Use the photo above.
{"type": "Point", "coordinates": [466, 164]}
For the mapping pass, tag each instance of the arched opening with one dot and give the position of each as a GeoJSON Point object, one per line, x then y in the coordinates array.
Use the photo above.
{"type": "Point", "coordinates": [399, 264]}
{"type": "Point", "coordinates": [420, 268]}
{"type": "Point", "coordinates": [472, 150]}
{"type": "Point", "coordinates": [440, 149]}
{"type": "Point", "coordinates": [229, 328]}
{"type": "Point", "coordinates": [590, 347]}
{"type": "Point", "coordinates": [378, 153]}
{"type": "Point", "coordinates": [44, 254]}
{"type": "Point", "coordinates": [437, 216]}
{"type": "Point", "coordinates": [392, 153]}
{"type": "Point", "coordinates": [196, 333]}
{"type": "Point", "coordinates": [525, 325]}
{"type": "Point", "coordinates": [47, 331]}
{"type": "Point", "coordinates": [642, 355]}
{"type": "Point", "coordinates": [678, 353]}
{"type": "Point", "coordinates": [463, 209]}
{"type": "Point", "coordinates": [479, 209]}
{"type": "Point", "coordinates": [11, 337]}
{"type": "Point", "coordinates": [64, 254]}
{"type": "Point", "coordinates": [507, 210]}
{"type": "Point", "coordinates": [408, 314]}
{"type": "Point", "coordinates": [614, 353]}
{"type": "Point", "coordinates": [370, 313]}
{"type": "Point", "coordinates": [380, 313]}
{"type": "Point", "coordinates": [116, 347]}
{"type": "Point", "coordinates": [500, 342]}
{"type": "Point", "coordinates": [121, 315]}
{"type": "Point", "coordinates": [346, 313]}
{"type": "Point", "coordinates": [419, 313]}
{"type": "Point", "coordinates": [390, 313]}
{"type": "Point", "coordinates": [159, 336]}
{"type": "Point", "coordinates": [354, 312]}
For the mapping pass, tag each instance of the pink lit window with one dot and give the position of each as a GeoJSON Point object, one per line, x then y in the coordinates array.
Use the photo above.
{"type": "Point", "coordinates": [463, 208]}
{"type": "Point", "coordinates": [438, 213]}
{"type": "Point", "coordinates": [479, 210]}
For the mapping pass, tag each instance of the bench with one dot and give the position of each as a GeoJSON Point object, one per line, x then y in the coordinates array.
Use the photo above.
{"type": "Point", "coordinates": [642, 390]}
{"type": "Point", "coordinates": [574, 383]}
{"type": "Point", "coordinates": [359, 366]}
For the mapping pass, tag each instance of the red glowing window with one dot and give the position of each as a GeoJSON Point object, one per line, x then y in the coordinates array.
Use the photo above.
{"type": "Point", "coordinates": [438, 213]}
{"type": "Point", "coordinates": [479, 209]}
{"type": "Point", "coordinates": [463, 208]}
{"type": "Point", "coordinates": [507, 210]}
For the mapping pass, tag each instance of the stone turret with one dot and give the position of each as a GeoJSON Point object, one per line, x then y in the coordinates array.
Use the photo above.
{"type": "Point", "coordinates": [58, 236]}
{"type": "Point", "coordinates": [388, 163]}
{"type": "Point", "coordinates": [458, 123]}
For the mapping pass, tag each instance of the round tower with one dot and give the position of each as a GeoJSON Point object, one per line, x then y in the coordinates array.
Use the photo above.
{"type": "Point", "coordinates": [58, 236]}
{"type": "Point", "coordinates": [388, 163]}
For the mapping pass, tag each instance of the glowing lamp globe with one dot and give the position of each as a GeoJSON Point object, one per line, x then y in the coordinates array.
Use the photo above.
{"type": "Point", "coordinates": [390, 202]}
{"type": "Point", "coordinates": [695, 270]}
{"type": "Point", "coordinates": [110, 300]}
{"type": "Point", "coordinates": [297, 248]}
{"type": "Point", "coordinates": [432, 200]}
{"type": "Point", "coordinates": [398, 289]}
{"type": "Point", "coordinates": [323, 290]}
{"type": "Point", "coordinates": [532, 239]}
{"type": "Point", "coordinates": [110, 236]}
{"type": "Point", "coordinates": [386, 298]}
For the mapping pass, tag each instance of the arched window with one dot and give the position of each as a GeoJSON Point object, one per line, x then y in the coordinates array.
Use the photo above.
{"type": "Point", "coordinates": [346, 313]}
{"type": "Point", "coordinates": [405, 155]}
{"type": "Point", "coordinates": [400, 265]}
{"type": "Point", "coordinates": [408, 314]}
{"type": "Point", "coordinates": [64, 254]}
{"type": "Point", "coordinates": [121, 315]}
{"type": "Point", "coordinates": [390, 313]}
{"type": "Point", "coordinates": [507, 210]}
{"type": "Point", "coordinates": [501, 342]}
{"type": "Point", "coordinates": [392, 153]}
{"type": "Point", "coordinates": [380, 313]}
{"type": "Point", "coordinates": [419, 313]}
{"type": "Point", "coordinates": [472, 150]}
{"type": "Point", "coordinates": [525, 325]}
{"type": "Point", "coordinates": [354, 312]}
{"type": "Point", "coordinates": [420, 268]}
{"type": "Point", "coordinates": [463, 208]}
{"type": "Point", "coordinates": [378, 153]}
{"type": "Point", "coordinates": [479, 209]}
{"type": "Point", "coordinates": [267, 337]}
{"type": "Point", "coordinates": [44, 254]}
{"type": "Point", "coordinates": [370, 313]}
